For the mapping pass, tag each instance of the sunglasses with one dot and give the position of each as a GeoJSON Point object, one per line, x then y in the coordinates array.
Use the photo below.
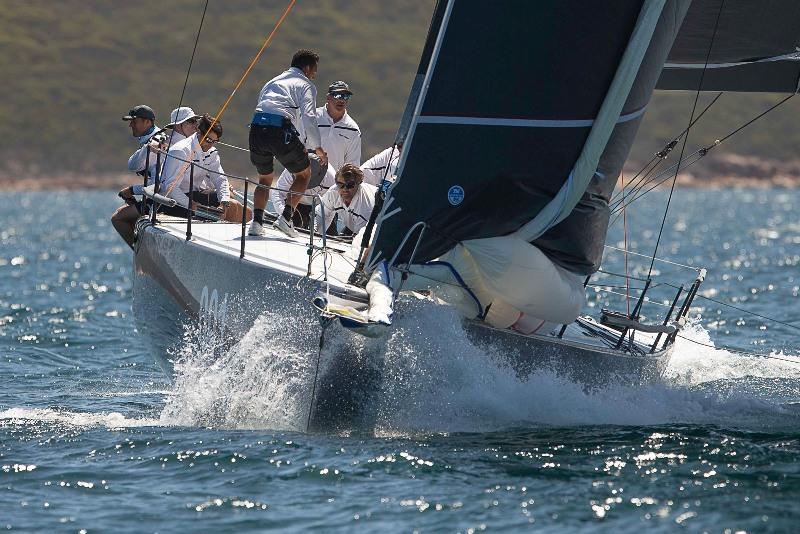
{"type": "Point", "coordinates": [211, 140]}
{"type": "Point", "coordinates": [341, 96]}
{"type": "Point", "coordinates": [346, 185]}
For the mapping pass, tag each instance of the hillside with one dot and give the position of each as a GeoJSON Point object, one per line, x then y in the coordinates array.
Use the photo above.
{"type": "Point", "coordinates": [74, 67]}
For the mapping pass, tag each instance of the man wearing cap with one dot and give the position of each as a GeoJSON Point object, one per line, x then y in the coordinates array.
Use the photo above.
{"type": "Point", "coordinates": [141, 120]}
{"type": "Point", "coordinates": [341, 136]}
{"type": "Point", "coordinates": [286, 104]}
{"type": "Point", "coordinates": [349, 199]}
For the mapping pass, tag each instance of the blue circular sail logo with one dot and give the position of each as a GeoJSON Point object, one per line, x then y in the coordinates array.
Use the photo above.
{"type": "Point", "coordinates": [455, 195]}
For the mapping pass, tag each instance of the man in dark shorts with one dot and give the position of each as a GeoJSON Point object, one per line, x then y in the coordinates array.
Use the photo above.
{"type": "Point", "coordinates": [286, 106]}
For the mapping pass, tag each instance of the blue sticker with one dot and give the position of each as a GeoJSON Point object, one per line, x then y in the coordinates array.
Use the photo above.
{"type": "Point", "coordinates": [455, 195]}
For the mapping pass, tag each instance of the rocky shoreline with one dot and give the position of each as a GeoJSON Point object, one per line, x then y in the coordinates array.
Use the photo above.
{"type": "Point", "coordinates": [730, 170]}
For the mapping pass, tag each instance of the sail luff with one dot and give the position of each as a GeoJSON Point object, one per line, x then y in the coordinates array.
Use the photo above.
{"type": "Point", "coordinates": [424, 89]}
{"type": "Point", "coordinates": [604, 124]}
{"type": "Point", "coordinates": [408, 138]}
{"type": "Point", "coordinates": [422, 70]}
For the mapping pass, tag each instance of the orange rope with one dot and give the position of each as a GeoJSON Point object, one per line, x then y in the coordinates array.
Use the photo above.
{"type": "Point", "coordinates": [252, 64]}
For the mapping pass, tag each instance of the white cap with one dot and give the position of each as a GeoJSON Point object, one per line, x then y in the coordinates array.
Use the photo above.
{"type": "Point", "coordinates": [181, 115]}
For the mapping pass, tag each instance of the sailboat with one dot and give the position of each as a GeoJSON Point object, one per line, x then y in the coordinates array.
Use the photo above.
{"type": "Point", "coordinates": [518, 123]}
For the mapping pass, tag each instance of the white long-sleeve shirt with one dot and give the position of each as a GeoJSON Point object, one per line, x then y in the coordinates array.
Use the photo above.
{"type": "Point", "coordinates": [293, 96]}
{"type": "Point", "coordinates": [207, 174]}
{"type": "Point", "coordinates": [138, 160]}
{"type": "Point", "coordinates": [341, 140]}
{"type": "Point", "coordinates": [374, 168]}
{"type": "Point", "coordinates": [355, 216]}
{"type": "Point", "coordinates": [285, 181]}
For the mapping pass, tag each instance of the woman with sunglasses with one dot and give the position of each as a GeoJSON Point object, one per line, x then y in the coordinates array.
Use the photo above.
{"type": "Point", "coordinates": [349, 198]}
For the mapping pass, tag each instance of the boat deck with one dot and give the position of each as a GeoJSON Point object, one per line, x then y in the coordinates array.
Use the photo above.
{"type": "Point", "coordinates": [274, 250]}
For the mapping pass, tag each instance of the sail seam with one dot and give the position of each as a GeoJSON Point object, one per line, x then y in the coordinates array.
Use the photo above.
{"type": "Point", "coordinates": [523, 123]}
{"type": "Point", "coordinates": [785, 57]}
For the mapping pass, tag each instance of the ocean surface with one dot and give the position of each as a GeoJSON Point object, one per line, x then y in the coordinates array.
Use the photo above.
{"type": "Point", "coordinates": [96, 437]}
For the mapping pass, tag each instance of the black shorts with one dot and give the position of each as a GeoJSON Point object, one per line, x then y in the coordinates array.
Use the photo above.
{"type": "Point", "coordinates": [206, 199]}
{"type": "Point", "coordinates": [281, 142]}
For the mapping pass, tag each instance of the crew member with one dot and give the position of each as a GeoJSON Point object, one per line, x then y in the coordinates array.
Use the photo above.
{"type": "Point", "coordinates": [341, 136]}
{"type": "Point", "coordinates": [285, 104]}
{"type": "Point", "coordinates": [141, 120]}
{"type": "Point", "coordinates": [350, 199]}
{"type": "Point", "coordinates": [210, 187]}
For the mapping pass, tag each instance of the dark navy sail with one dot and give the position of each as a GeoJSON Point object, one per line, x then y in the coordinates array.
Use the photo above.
{"type": "Point", "coordinates": [755, 47]}
{"type": "Point", "coordinates": [513, 90]}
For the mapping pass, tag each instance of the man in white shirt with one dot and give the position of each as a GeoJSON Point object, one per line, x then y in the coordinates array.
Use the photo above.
{"type": "Point", "coordinates": [286, 104]}
{"type": "Point", "coordinates": [341, 140]}
{"type": "Point", "coordinates": [350, 199]}
{"type": "Point", "coordinates": [141, 120]}
{"type": "Point", "coordinates": [210, 185]}
{"type": "Point", "coordinates": [382, 164]}
{"type": "Point", "coordinates": [341, 136]}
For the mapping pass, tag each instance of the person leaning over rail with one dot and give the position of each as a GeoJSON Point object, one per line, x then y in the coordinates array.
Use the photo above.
{"type": "Point", "coordinates": [340, 134]}
{"type": "Point", "coordinates": [286, 104]}
{"type": "Point", "coordinates": [141, 120]}
{"type": "Point", "coordinates": [350, 199]}
{"type": "Point", "coordinates": [210, 185]}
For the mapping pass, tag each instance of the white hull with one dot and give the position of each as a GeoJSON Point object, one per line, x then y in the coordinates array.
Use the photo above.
{"type": "Point", "coordinates": [206, 278]}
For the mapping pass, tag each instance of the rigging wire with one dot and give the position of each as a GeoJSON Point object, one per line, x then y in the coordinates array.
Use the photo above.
{"type": "Point", "coordinates": [697, 155]}
{"type": "Point", "coordinates": [189, 69]}
{"type": "Point", "coordinates": [625, 246]}
{"type": "Point", "coordinates": [180, 100]}
{"type": "Point", "coordinates": [649, 257]}
{"type": "Point", "coordinates": [748, 312]}
{"type": "Point", "coordinates": [685, 139]}
{"type": "Point", "coordinates": [249, 68]}
{"type": "Point", "coordinates": [660, 156]}
{"type": "Point", "coordinates": [233, 146]}
{"type": "Point", "coordinates": [751, 121]}
{"type": "Point", "coordinates": [254, 61]}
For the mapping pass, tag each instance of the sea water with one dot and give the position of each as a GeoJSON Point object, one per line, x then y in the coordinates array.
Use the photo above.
{"type": "Point", "coordinates": [95, 437]}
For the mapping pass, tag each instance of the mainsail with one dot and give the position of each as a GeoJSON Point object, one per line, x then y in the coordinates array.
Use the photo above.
{"type": "Point", "coordinates": [755, 47]}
